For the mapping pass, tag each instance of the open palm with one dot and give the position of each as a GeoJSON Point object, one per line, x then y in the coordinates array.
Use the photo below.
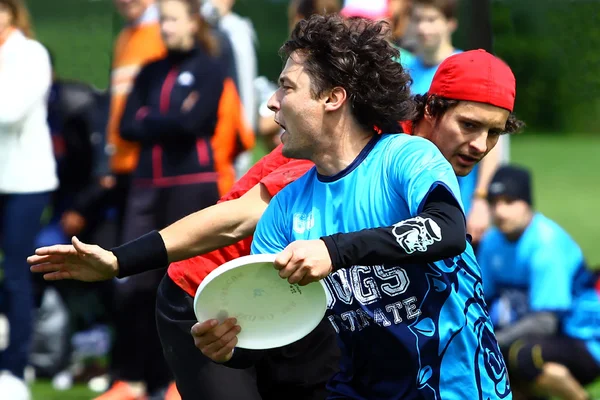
{"type": "Point", "coordinates": [79, 261]}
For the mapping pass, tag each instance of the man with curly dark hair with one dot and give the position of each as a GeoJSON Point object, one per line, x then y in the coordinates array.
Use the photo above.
{"type": "Point", "coordinates": [298, 108]}
{"type": "Point", "coordinates": [409, 326]}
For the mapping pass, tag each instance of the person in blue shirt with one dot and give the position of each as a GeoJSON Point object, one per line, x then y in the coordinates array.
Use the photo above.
{"type": "Point", "coordinates": [435, 21]}
{"type": "Point", "coordinates": [543, 303]}
{"type": "Point", "coordinates": [409, 326]}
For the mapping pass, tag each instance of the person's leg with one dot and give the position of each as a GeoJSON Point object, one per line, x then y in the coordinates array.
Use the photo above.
{"type": "Point", "coordinates": [557, 380]}
{"type": "Point", "coordinates": [134, 298]}
{"type": "Point", "coordinates": [553, 366]}
{"type": "Point", "coordinates": [21, 214]}
{"type": "Point", "coordinates": [305, 365]}
{"type": "Point", "coordinates": [197, 376]}
{"type": "Point", "coordinates": [174, 203]}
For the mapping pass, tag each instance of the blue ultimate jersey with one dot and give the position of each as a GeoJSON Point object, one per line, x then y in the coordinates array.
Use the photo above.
{"type": "Point", "coordinates": [409, 331]}
{"type": "Point", "coordinates": [544, 270]}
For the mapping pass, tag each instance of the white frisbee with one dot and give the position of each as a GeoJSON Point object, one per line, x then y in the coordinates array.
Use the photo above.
{"type": "Point", "coordinates": [270, 311]}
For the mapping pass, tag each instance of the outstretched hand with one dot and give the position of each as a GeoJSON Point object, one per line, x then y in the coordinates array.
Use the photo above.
{"type": "Point", "coordinates": [79, 261]}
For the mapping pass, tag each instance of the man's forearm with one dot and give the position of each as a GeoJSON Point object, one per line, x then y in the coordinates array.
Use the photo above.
{"type": "Point", "coordinates": [209, 229]}
{"type": "Point", "coordinates": [212, 228]}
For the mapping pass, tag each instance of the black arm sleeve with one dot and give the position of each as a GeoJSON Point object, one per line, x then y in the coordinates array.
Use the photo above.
{"type": "Point", "coordinates": [436, 233]}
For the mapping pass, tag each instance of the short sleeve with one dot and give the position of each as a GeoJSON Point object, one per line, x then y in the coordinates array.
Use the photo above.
{"type": "Point", "coordinates": [284, 175]}
{"type": "Point", "coordinates": [270, 237]}
{"type": "Point", "coordinates": [416, 168]}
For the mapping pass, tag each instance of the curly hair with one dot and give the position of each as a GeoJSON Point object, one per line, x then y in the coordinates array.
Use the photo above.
{"type": "Point", "coordinates": [438, 106]}
{"type": "Point", "coordinates": [355, 54]}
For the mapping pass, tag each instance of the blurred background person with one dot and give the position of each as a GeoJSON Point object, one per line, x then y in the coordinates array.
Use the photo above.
{"type": "Point", "coordinates": [399, 15]}
{"type": "Point", "coordinates": [71, 105]}
{"type": "Point", "coordinates": [138, 43]}
{"type": "Point", "coordinates": [543, 303]}
{"type": "Point", "coordinates": [27, 179]}
{"type": "Point", "coordinates": [172, 112]}
{"type": "Point", "coordinates": [242, 37]}
{"type": "Point", "coordinates": [396, 12]}
{"type": "Point", "coordinates": [435, 21]}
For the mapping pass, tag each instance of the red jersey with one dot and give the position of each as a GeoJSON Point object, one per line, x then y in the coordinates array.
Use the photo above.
{"type": "Point", "coordinates": [275, 172]}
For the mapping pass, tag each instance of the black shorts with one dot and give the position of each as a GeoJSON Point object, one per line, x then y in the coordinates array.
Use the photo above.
{"type": "Point", "coordinates": [526, 357]}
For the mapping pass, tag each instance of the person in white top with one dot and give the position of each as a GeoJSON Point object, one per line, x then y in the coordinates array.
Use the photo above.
{"type": "Point", "coordinates": [242, 37]}
{"type": "Point", "coordinates": [27, 176]}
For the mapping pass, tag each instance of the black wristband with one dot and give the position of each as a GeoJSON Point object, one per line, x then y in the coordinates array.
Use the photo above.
{"type": "Point", "coordinates": [146, 253]}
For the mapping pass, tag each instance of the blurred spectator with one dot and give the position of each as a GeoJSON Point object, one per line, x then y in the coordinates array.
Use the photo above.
{"type": "Point", "coordinates": [435, 22]}
{"type": "Point", "coordinates": [241, 36]}
{"type": "Point", "coordinates": [27, 177]}
{"type": "Point", "coordinates": [71, 105]}
{"type": "Point", "coordinates": [399, 13]}
{"type": "Point", "coordinates": [137, 44]}
{"type": "Point", "coordinates": [544, 306]}
{"type": "Point", "coordinates": [396, 12]}
{"type": "Point", "coordinates": [297, 11]}
{"type": "Point", "coordinates": [70, 108]}
{"type": "Point", "coordinates": [173, 112]}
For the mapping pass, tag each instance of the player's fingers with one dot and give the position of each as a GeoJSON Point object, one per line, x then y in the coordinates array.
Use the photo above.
{"type": "Point", "coordinates": [308, 278]}
{"type": "Point", "coordinates": [225, 353]}
{"type": "Point", "coordinates": [210, 331]}
{"type": "Point", "coordinates": [218, 345]}
{"type": "Point", "coordinates": [52, 259]}
{"type": "Point", "coordinates": [283, 258]}
{"type": "Point", "coordinates": [57, 249]}
{"type": "Point", "coordinates": [200, 328]}
{"type": "Point", "coordinates": [289, 270]}
{"type": "Point", "coordinates": [298, 275]}
{"type": "Point", "coordinates": [46, 267]}
{"type": "Point", "coordinates": [58, 276]}
{"type": "Point", "coordinates": [81, 247]}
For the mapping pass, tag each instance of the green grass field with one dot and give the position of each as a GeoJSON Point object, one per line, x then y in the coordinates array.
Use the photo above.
{"type": "Point", "coordinates": [566, 167]}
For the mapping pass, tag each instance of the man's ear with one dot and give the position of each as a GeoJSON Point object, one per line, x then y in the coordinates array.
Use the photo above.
{"type": "Point", "coordinates": [427, 116]}
{"type": "Point", "coordinates": [336, 98]}
{"type": "Point", "coordinates": [452, 25]}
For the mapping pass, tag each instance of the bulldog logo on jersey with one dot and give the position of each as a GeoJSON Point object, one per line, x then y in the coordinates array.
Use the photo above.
{"type": "Point", "coordinates": [417, 234]}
